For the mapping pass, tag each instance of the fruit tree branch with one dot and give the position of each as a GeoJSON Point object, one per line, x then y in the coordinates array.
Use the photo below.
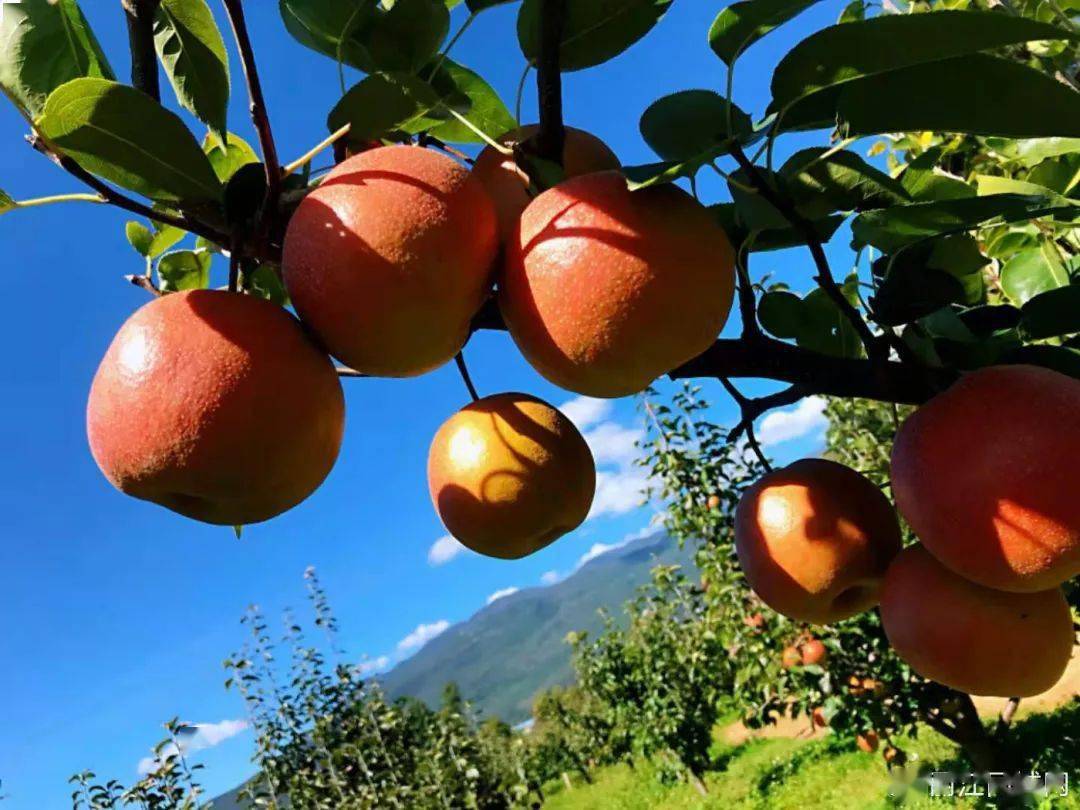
{"type": "Point", "coordinates": [551, 136]}
{"type": "Point", "coordinates": [751, 409]}
{"type": "Point", "coordinates": [259, 115]}
{"type": "Point", "coordinates": [140, 24]}
{"type": "Point", "coordinates": [824, 275]}
{"type": "Point", "coordinates": [814, 373]}
{"type": "Point", "coordinates": [114, 197]}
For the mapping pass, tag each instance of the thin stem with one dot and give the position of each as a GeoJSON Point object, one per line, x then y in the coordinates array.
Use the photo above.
{"type": "Point", "coordinates": [312, 153]}
{"type": "Point", "coordinates": [817, 251]}
{"type": "Point", "coordinates": [424, 139]}
{"type": "Point", "coordinates": [114, 197]}
{"type": "Point", "coordinates": [60, 198]}
{"type": "Point", "coordinates": [145, 283]}
{"type": "Point", "coordinates": [449, 45]}
{"type": "Point", "coordinates": [465, 376]}
{"type": "Point", "coordinates": [731, 180]}
{"type": "Point", "coordinates": [1006, 717]}
{"type": "Point", "coordinates": [345, 371]}
{"type": "Point", "coordinates": [747, 303]}
{"type": "Point", "coordinates": [259, 116]}
{"type": "Point", "coordinates": [551, 136]}
{"type": "Point", "coordinates": [144, 65]}
{"type": "Point", "coordinates": [521, 91]}
{"type": "Point", "coordinates": [481, 134]}
{"type": "Point", "coordinates": [234, 266]}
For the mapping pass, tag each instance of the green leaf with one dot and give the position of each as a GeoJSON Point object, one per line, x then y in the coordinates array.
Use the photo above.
{"type": "Point", "coordinates": [992, 184]}
{"type": "Point", "coordinates": [404, 37]}
{"type": "Point", "coordinates": [821, 183]}
{"type": "Point", "coordinates": [847, 53]}
{"type": "Point", "coordinates": [368, 36]}
{"type": "Point", "coordinates": [853, 12]}
{"type": "Point", "coordinates": [140, 237]}
{"type": "Point", "coordinates": [1059, 358]}
{"type": "Point", "coordinates": [193, 53]}
{"type": "Point", "coordinates": [1031, 151]}
{"type": "Point", "coordinates": [742, 24]}
{"type": "Point", "coordinates": [266, 282]}
{"type": "Point", "coordinates": [6, 202]}
{"type": "Point", "coordinates": [227, 160]}
{"type": "Point", "coordinates": [124, 136]}
{"type": "Point", "coordinates": [380, 104]}
{"type": "Point", "coordinates": [892, 228]}
{"type": "Point", "coordinates": [924, 180]}
{"type": "Point", "coordinates": [685, 125]}
{"type": "Point", "coordinates": [595, 30]}
{"type": "Point", "coordinates": [151, 243]}
{"type": "Point", "coordinates": [813, 322]}
{"type": "Point", "coordinates": [951, 97]}
{"type": "Point", "coordinates": [184, 270]}
{"type": "Point", "coordinates": [1030, 273]}
{"type": "Point", "coordinates": [457, 85]}
{"type": "Point", "coordinates": [910, 288]}
{"type": "Point", "coordinates": [45, 44]}
{"type": "Point", "coordinates": [1052, 313]}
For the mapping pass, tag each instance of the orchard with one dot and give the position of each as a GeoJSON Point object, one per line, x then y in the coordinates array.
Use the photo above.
{"type": "Point", "coordinates": [952, 559]}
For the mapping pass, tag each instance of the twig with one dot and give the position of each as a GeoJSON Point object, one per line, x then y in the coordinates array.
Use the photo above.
{"type": "Point", "coordinates": [234, 265]}
{"type": "Point", "coordinates": [312, 153]}
{"type": "Point", "coordinates": [114, 197]}
{"type": "Point", "coordinates": [747, 302]}
{"type": "Point", "coordinates": [424, 139]}
{"type": "Point", "coordinates": [145, 283]}
{"type": "Point", "coordinates": [144, 66]}
{"type": "Point", "coordinates": [345, 371]}
{"type": "Point", "coordinates": [813, 372]}
{"type": "Point", "coordinates": [817, 251]}
{"type": "Point", "coordinates": [465, 376]}
{"type": "Point", "coordinates": [1006, 717]}
{"type": "Point", "coordinates": [551, 135]}
{"type": "Point", "coordinates": [259, 115]}
{"type": "Point", "coordinates": [753, 408]}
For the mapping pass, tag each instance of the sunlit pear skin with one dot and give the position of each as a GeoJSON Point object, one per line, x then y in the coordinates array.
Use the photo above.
{"type": "Point", "coordinates": [509, 474]}
{"type": "Point", "coordinates": [390, 257]}
{"type": "Point", "coordinates": [987, 475]}
{"type": "Point", "coordinates": [814, 540]}
{"type": "Point", "coordinates": [508, 185]}
{"type": "Point", "coordinates": [972, 638]}
{"type": "Point", "coordinates": [605, 289]}
{"type": "Point", "coordinates": [216, 406]}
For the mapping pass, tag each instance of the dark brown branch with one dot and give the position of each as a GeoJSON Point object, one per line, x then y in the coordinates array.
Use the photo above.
{"type": "Point", "coordinates": [815, 373]}
{"type": "Point", "coordinates": [747, 302]}
{"type": "Point", "coordinates": [144, 66]}
{"type": "Point", "coordinates": [145, 283]}
{"type": "Point", "coordinates": [465, 376]}
{"type": "Point", "coordinates": [824, 278]}
{"type": "Point", "coordinates": [424, 139]}
{"type": "Point", "coordinates": [259, 115]}
{"type": "Point", "coordinates": [234, 265]}
{"type": "Point", "coordinates": [114, 197]}
{"type": "Point", "coordinates": [1006, 717]}
{"type": "Point", "coordinates": [551, 136]}
{"type": "Point", "coordinates": [751, 409]}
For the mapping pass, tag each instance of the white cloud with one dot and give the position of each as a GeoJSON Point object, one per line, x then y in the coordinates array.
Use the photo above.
{"type": "Point", "coordinates": [444, 550]}
{"type": "Point", "coordinates": [805, 419]}
{"type": "Point", "coordinates": [586, 411]}
{"type": "Point", "coordinates": [619, 492]}
{"type": "Point", "coordinates": [194, 737]}
{"type": "Point", "coordinates": [500, 594]}
{"type": "Point", "coordinates": [612, 443]}
{"type": "Point", "coordinates": [374, 665]}
{"type": "Point", "coordinates": [422, 635]}
{"type": "Point", "coordinates": [550, 578]}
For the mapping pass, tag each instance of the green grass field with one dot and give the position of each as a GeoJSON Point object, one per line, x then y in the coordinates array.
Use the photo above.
{"type": "Point", "coordinates": [824, 773]}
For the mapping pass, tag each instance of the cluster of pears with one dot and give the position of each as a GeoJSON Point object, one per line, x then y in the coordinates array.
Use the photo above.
{"type": "Point", "coordinates": [227, 408]}
{"type": "Point", "coordinates": [986, 475]}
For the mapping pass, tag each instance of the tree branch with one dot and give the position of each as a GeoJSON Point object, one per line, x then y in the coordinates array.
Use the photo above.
{"type": "Point", "coordinates": [747, 303]}
{"type": "Point", "coordinates": [753, 408]}
{"type": "Point", "coordinates": [767, 358]}
{"type": "Point", "coordinates": [824, 275]}
{"type": "Point", "coordinates": [465, 376]}
{"type": "Point", "coordinates": [551, 136]}
{"type": "Point", "coordinates": [259, 116]}
{"type": "Point", "coordinates": [114, 197]}
{"type": "Point", "coordinates": [144, 66]}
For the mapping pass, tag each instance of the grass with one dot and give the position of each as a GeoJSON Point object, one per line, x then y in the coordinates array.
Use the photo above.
{"type": "Point", "coordinates": [787, 774]}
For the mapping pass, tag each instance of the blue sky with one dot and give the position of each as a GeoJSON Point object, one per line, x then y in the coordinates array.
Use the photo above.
{"type": "Point", "coordinates": [116, 614]}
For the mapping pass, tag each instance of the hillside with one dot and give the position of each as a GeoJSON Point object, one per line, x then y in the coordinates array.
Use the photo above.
{"type": "Point", "coordinates": [508, 651]}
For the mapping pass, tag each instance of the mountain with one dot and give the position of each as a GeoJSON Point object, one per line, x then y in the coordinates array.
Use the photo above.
{"type": "Point", "coordinates": [513, 648]}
